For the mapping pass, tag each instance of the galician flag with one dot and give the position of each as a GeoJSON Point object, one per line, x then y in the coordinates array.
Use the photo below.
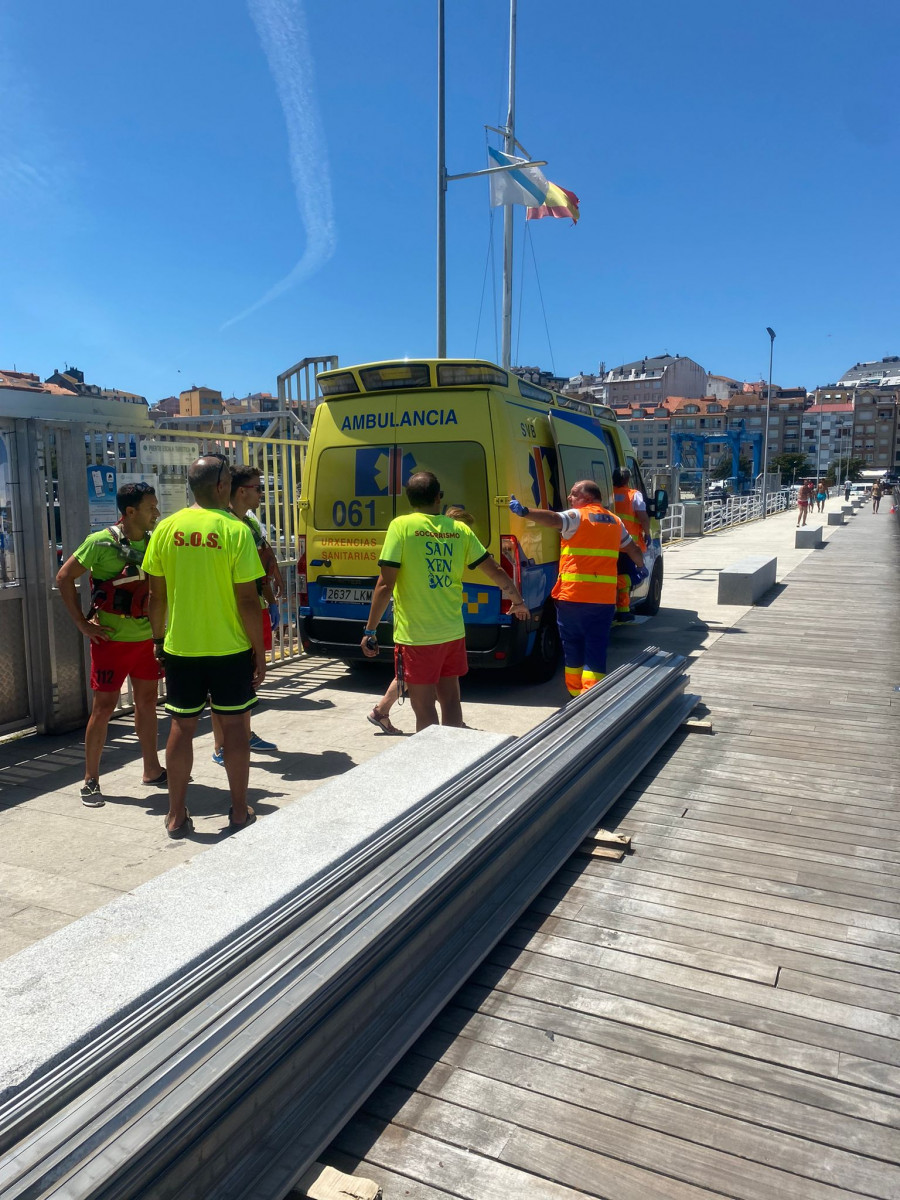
{"type": "Point", "coordinates": [528, 185]}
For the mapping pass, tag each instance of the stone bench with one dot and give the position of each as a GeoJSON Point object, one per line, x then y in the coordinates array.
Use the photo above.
{"type": "Point", "coordinates": [808, 537]}
{"type": "Point", "coordinates": [848, 509]}
{"type": "Point", "coordinates": [835, 518]}
{"type": "Point", "coordinates": [745, 581]}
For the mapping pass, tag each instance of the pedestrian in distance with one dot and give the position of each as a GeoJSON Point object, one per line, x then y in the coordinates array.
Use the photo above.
{"type": "Point", "coordinates": [246, 494]}
{"type": "Point", "coordinates": [207, 632]}
{"type": "Point", "coordinates": [803, 497]}
{"type": "Point", "coordinates": [821, 495]}
{"type": "Point", "coordinates": [847, 486]}
{"type": "Point", "coordinates": [380, 714]}
{"type": "Point", "coordinates": [629, 505]}
{"type": "Point", "coordinates": [119, 631]}
{"type": "Point", "coordinates": [876, 495]}
{"type": "Point", "coordinates": [585, 589]}
{"type": "Point", "coordinates": [422, 562]}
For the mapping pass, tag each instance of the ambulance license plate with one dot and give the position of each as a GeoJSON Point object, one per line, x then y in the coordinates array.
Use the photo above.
{"type": "Point", "coordinates": [348, 595]}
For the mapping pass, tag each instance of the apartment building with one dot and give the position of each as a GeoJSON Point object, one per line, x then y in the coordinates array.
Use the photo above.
{"type": "Point", "coordinates": [872, 389]}
{"type": "Point", "coordinates": [200, 402]}
{"type": "Point", "coordinates": [827, 434]}
{"type": "Point", "coordinates": [649, 380]}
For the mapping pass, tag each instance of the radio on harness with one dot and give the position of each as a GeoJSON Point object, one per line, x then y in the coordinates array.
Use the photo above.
{"type": "Point", "coordinates": [128, 593]}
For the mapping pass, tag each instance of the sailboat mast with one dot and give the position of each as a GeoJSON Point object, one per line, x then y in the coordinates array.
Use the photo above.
{"type": "Point", "coordinates": [509, 145]}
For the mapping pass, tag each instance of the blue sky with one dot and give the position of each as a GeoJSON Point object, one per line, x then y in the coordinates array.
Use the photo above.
{"type": "Point", "coordinates": [737, 166]}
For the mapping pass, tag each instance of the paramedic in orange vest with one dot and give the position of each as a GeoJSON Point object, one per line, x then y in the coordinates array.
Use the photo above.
{"type": "Point", "coordinates": [585, 591]}
{"type": "Point", "coordinates": [119, 631]}
{"type": "Point", "coordinates": [631, 507]}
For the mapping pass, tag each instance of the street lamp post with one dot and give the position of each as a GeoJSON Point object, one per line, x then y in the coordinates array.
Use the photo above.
{"type": "Point", "coordinates": [765, 478]}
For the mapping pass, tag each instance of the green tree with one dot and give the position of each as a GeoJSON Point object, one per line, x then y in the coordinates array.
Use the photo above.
{"type": "Point", "coordinates": [839, 471]}
{"type": "Point", "coordinates": [791, 466]}
{"type": "Point", "coordinates": [722, 469]}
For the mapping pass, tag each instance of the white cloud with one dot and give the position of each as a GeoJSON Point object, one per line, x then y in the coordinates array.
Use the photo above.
{"type": "Point", "coordinates": [281, 26]}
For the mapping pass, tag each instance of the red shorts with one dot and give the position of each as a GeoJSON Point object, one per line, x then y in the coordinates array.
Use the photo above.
{"type": "Point", "coordinates": [113, 662]}
{"type": "Point", "coordinates": [428, 664]}
{"type": "Point", "coordinates": [267, 630]}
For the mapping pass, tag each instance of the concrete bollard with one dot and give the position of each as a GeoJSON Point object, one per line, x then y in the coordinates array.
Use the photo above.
{"type": "Point", "coordinates": [835, 518]}
{"type": "Point", "coordinates": [808, 537]}
{"type": "Point", "coordinates": [848, 509]}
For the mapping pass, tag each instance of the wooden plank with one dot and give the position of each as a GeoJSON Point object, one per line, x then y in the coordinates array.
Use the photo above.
{"type": "Point", "coordinates": [840, 945]}
{"type": "Point", "coordinates": [555, 922]}
{"type": "Point", "coordinates": [586, 1079]}
{"type": "Point", "coordinates": [592, 850]}
{"type": "Point", "coordinates": [543, 1024]}
{"type": "Point", "coordinates": [736, 905]}
{"type": "Point", "coordinates": [730, 1014]}
{"type": "Point", "coordinates": [768, 894]}
{"type": "Point", "coordinates": [323, 1182]}
{"type": "Point", "coordinates": [615, 928]}
{"type": "Point", "coordinates": [674, 1022]}
{"type": "Point", "coordinates": [455, 1170]}
{"type": "Point", "coordinates": [711, 983]}
{"type": "Point", "coordinates": [879, 999]}
{"type": "Point", "coordinates": [590, 1128]}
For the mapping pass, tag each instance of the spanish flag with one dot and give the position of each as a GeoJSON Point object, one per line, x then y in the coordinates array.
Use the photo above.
{"type": "Point", "coordinates": [527, 185]}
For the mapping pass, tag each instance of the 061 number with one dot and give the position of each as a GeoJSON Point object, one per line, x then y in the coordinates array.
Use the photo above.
{"type": "Point", "coordinates": [351, 514]}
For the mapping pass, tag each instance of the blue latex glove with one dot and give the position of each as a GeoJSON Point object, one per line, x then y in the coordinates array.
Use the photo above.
{"type": "Point", "coordinates": [516, 506]}
{"type": "Point", "coordinates": [274, 615]}
{"type": "Point", "coordinates": [640, 575]}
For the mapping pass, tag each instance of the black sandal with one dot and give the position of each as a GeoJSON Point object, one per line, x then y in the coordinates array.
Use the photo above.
{"type": "Point", "coordinates": [186, 827]}
{"type": "Point", "coordinates": [232, 824]}
{"type": "Point", "coordinates": [160, 781]}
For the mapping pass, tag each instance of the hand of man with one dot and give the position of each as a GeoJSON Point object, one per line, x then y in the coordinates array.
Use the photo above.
{"type": "Point", "coordinates": [159, 653]}
{"type": "Point", "coordinates": [274, 616]}
{"type": "Point", "coordinates": [259, 671]}
{"type": "Point", "coordinates": [95, 631]}
{"type": "Point", "coordinates": [516, 506]}
{"type": "Point", "coordinates": [370, 651]}
{"type": "Point", "coordinates": [520, 611]}
{"type": "Point", "coordinates": [640, 575]}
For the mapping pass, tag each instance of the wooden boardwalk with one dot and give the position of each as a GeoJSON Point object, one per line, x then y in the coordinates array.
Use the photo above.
{"type": "Point", "coordinates": [719, 1013]}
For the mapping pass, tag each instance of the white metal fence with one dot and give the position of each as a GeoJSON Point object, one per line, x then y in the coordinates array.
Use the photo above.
{"type": "Point", "coordinates": [719, 514]}
{"type": "Point", "coordinates": [671, 527]}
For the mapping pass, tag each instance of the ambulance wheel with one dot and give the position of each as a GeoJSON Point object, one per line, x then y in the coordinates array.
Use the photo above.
{"type": "Point", "coordinates": [649, 606]}
{"type": "Point", "coordinates": [541, 664]}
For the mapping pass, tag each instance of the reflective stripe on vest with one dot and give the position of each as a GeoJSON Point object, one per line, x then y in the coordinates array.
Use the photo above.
{"type": "Point", "coordinates": [585, 573]}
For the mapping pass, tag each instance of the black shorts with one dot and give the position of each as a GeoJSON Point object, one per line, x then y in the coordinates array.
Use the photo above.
{"type": "Point", "coordinates": [225, 680]}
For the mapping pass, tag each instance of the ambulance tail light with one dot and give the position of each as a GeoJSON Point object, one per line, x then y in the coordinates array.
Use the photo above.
{"type": "Point", "coordinates": [302, 587]}
{"type": "Point", "coordinates": [511, 564]}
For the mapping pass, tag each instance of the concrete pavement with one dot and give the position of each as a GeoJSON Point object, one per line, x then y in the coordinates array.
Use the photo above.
{"type": "Point", "coordinates": [59, 860]}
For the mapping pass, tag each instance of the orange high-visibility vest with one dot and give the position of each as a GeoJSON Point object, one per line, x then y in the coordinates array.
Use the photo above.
{"type": "Point", "coordinates": [587, 560]}
{"type": "Point", "coordinates": [623, 499]}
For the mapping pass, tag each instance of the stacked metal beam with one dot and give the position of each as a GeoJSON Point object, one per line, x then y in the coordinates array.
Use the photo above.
{"type": "Point", "coordinates": [230, 1083]}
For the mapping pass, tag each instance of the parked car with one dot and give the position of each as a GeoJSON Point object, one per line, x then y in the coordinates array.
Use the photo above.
{"type": "Point", "coordinates": [717, 491]}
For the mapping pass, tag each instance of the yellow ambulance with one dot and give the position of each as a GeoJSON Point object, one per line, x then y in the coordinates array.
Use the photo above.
{"type": "Point", "coordinates": [487, 435]}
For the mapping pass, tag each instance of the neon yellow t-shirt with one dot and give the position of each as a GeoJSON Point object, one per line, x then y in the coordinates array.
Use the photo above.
{"type": "Point", "coordinates": [202, 553]}
{"type": "Point", "coordinates": [99, 554]}
{"type": "Point", "coordinates": [432, 552]}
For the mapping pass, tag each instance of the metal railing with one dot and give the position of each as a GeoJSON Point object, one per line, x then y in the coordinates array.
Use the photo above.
{"type": "Point", "coordinates": [671, 527]}
{"type": "Point", "coordinates": [735, 510]}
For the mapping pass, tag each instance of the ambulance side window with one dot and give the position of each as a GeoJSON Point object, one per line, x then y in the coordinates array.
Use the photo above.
{"type": "Point", "coordinates": [581, 462]}
{"type": "Point", "coordinates": [353, 488]}
{"type": "Point", "coordinates": [637, 479]}
{"type": "Point", "coordinates": [462, 470]}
